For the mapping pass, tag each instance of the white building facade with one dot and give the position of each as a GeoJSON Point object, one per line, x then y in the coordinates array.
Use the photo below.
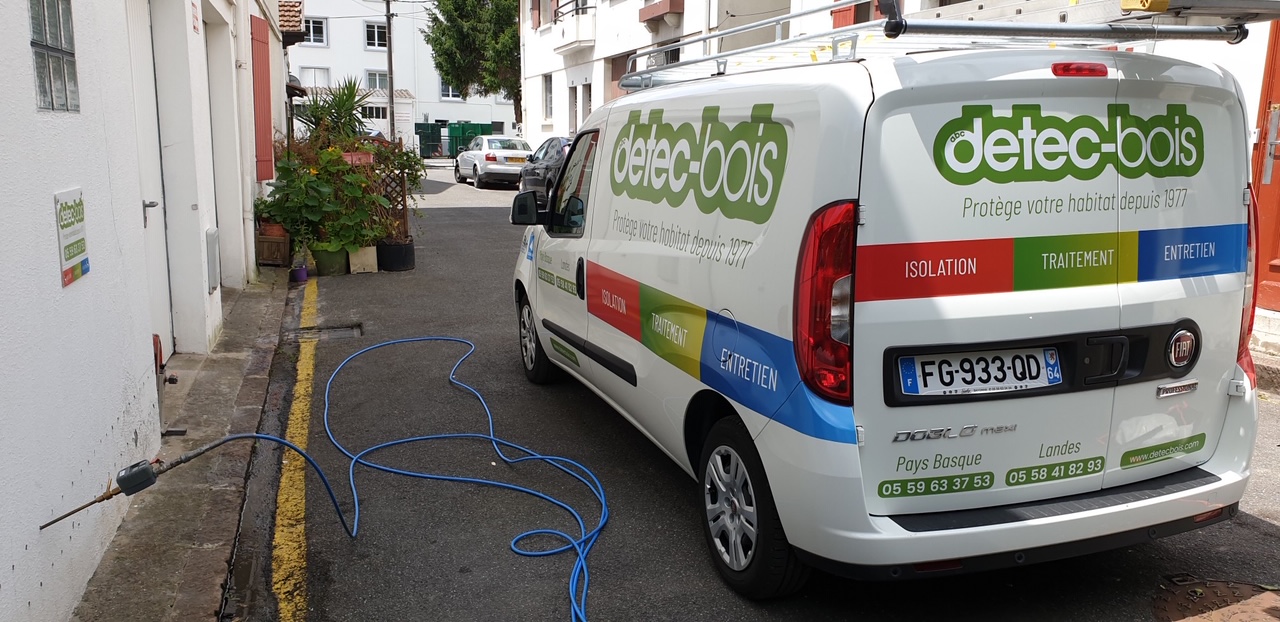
{"type": "Point", "coordinates": [343, 41]}
{"type": "Point", "coordinates": [575, 51]}
{"type": "Point", "coordinates": [131, 160]}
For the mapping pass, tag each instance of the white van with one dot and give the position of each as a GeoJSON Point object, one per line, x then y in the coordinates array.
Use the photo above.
{"type": "Point", "coordinates": [912, 314]}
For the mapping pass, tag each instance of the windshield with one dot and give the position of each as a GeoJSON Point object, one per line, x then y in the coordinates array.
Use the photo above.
{"type": "Point", "coordinates": [508, 143]}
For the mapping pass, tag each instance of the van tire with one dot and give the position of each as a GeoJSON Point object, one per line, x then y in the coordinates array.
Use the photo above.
{"type": "Point", "coordinates": [537, 368]}
{"type": "Point", "coordinates": [773, 570]}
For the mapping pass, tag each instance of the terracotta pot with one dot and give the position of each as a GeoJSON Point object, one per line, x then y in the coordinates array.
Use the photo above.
{"type": "Point", "coordinates": [271, 229]}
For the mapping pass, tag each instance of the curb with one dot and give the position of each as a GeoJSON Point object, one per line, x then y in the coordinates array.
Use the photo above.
{"type": "Point", "coordinates": [1268, 372]}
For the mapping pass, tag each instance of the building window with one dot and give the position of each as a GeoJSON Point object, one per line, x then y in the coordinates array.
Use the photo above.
{"type": "Point", "coordinates": [317, 30]}
{"type": "Point", "coordinates": [448, 92]}
{"type": "Point", "coordinates": [498, 127]}
{"type": "Point", "coordinates": [546, 96]}
{"type": "Point", "coordinates": [373, 112]}
{"type": "Point", "coordinates": [314, 76]}
{"type": "Point", "coordinates": [375, 35]}
{"type": "Point", "coordinates": [669, 57]}
{"type": "Point", "coordinates": [53, 51]}
{"type": "Point", "coordinates": [377, 80]}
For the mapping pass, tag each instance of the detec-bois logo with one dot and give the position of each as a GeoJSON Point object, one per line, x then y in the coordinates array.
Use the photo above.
{"type": "Point", "coordinates": [736, 170]}
{"type": "Point", "coordinates": [1030, 146]}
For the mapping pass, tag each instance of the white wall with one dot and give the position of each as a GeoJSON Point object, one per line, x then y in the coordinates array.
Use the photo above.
{"type": "Point", "coordinates": [77, 383]}
{"type": "Point", "coordinates": [345, 55]}
{"type": "Point", "coordinates": [618, 31]}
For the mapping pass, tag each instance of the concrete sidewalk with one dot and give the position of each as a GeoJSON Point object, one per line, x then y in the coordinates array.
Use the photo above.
{"type": "Point", "coordinates": [169, 558]}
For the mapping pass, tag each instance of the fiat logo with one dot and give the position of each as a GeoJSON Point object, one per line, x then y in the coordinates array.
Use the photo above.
{"type": "Point", "coordinates": [1182, 347]}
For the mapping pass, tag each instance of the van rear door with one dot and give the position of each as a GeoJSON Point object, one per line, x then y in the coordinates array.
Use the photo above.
{"type": "Point", "coordinates": [1182, 160]}
{"type": "Point", "coordinates": [986, 296]}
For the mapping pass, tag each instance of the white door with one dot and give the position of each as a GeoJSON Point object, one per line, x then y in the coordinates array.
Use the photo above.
{"type": "Point", "coordinates": [148, 131]}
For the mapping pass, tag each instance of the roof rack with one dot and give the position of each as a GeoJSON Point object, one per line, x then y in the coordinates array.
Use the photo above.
{"type": "Point", "coordinates": [645, 69]}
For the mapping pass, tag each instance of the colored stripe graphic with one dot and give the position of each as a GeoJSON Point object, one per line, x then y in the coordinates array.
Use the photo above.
{"type": "Point", "coordinates": [672, 328]}
{"type": "Point", "coordinates": [895, 271]}
{"type": "Point", "coordinates": [746, 364]}
{"type": "Point", "coordinates": [615, 299]}
{"type": "Point", "coordinates": [750, 366]}
{"type": "Point", "coordinates": [955, 268]}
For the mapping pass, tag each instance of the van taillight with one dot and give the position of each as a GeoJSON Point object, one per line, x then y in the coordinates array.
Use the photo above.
{"type": "Point", "coordinates": [824, 302]}
{"type": "Point", "coordinates": [1243, 357]}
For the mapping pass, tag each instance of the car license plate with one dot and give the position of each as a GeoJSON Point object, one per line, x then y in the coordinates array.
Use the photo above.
{"type": "Point", "coordinates": [516, 160]}
{"type": "Point", "coordinates": [980, 372]}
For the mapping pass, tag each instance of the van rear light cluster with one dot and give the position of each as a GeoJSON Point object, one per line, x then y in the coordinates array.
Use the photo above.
{"type": "Point", "coordinates": [1080, 70]}
{"type": "Point", "coordinates": [824, 302]}
{"type": "Point", "coordinates": [1243, 357]}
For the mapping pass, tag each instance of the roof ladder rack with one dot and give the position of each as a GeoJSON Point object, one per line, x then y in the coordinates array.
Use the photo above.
{"type": "Point", "coordinates": [1211, 20]}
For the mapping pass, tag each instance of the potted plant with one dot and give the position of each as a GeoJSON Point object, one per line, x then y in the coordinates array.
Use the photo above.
{"type": "Point", "coordinates": [399, 170]}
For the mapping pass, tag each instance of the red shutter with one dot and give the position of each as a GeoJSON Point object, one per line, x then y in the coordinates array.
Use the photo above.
{"type": "Point", "coordinates": [259, 33]}
{"type": "Point", "coordinates": [535, 7]}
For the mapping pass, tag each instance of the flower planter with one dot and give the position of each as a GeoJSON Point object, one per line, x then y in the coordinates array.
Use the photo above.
{"type": "Point", "coordinates": [298, 275]}
{"type": "Point", "coordinates": [395, 257]}
{"type": "Point", "coordinates": [330, 263]}
{"type": "Point", "coordinates": [364, 260]}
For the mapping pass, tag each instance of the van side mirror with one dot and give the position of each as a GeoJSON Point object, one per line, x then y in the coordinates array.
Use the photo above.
{"type": "Point", "coordinates": [524, 209]}
{"type": "Point", "coordinates": [575, 213]}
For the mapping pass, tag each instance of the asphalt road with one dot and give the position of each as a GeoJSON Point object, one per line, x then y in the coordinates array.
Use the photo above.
{"type": "Point", "coordinates": [439, 551]}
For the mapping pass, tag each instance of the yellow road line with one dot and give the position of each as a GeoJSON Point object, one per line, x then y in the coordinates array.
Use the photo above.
{"type": "Point", "coordinates": [289, 548]}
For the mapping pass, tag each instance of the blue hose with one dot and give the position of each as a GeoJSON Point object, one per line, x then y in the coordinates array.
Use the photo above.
{"type": "Point", "coordinates": [579, 580]}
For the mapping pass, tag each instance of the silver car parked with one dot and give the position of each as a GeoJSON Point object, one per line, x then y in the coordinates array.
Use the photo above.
{"type": "Point", "coordinates": [491, 158]}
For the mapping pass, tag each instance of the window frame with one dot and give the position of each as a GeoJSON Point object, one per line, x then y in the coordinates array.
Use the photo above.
{"type": "Point", "coordinates": [548, 96]}
{"type": "Point", "coordinates": [454, 94]}
{"type": "Point", "coordinates": [66, 82]}
{"type": "Point", "coordinates": [385, 80]}
{"type": "Point", "coordinates": [366, 107]}
{"type": "Point", "coordinates": [555, 226]}
{"type": "Point", "coordinates": [302, 69]}
{"type": "Point", "coordinates": [375, 25]}
{"type": "Point", "coordinates": [324, 31]}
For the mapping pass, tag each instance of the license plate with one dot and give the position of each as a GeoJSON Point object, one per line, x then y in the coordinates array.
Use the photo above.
{"type": "Point", "coordinates": [980, 372]}
{"type": "Point", "coordinates": [515, 160]}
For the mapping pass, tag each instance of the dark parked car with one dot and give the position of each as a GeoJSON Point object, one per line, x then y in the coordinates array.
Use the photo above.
{"type": "Point", "coordinates": [539, 174]}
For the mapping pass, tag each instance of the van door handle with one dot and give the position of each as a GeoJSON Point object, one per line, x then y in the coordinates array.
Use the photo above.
{"type": "Point", "coordinates": [582, 279]}
{"type": "Point", "coordinates": [1118, 354]}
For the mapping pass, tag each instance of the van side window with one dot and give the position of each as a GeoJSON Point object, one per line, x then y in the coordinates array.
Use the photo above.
{"type": "Point", "coordinates": [569, 216]}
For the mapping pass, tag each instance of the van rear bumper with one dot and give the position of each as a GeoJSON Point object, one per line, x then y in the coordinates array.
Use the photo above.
{"type": "Point", "coordinates": [1019, 557]}
{"type": "Point", "coordinates": [818, 489]}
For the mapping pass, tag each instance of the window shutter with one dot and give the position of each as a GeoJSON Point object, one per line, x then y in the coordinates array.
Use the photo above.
{"type": "Point", "coordinates": [258, 33]}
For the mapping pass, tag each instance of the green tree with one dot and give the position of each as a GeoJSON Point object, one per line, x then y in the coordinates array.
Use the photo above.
{"type": "Point", "coordinates": [476, 46]}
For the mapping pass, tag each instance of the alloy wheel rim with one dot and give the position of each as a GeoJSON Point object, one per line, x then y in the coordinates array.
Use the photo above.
{"type": "Point", "coordinates": [730, 504]}
{"type": "Point", "coordinates": [528, 338]}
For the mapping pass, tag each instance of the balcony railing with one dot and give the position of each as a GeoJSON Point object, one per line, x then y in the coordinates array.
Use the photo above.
{"type": "Point", "coordinates": [571, 8]}
{"type": "Point", "coordinates": [574, 25]}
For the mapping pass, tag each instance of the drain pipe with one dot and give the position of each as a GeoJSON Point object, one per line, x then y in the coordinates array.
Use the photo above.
{"type": "Point", "coordinates": [248, 140]}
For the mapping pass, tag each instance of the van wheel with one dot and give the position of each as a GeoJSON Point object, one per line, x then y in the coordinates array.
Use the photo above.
{"type": "Point", "coordinates": [457, 175]}
{"type": "Point", "coordinates": [740, 522]}
{"type": "Point", "coordinates": [536, 366]}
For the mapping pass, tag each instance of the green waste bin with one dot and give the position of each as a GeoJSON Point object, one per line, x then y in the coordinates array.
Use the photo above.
{"type": "Point", "coordinates": [430, 140]}
{"type": "Point", "coordinates": [460, 135]}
